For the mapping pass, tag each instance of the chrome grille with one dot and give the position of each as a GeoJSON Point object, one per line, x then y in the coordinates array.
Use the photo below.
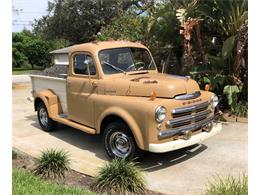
{"type": "Point", "coordinates": [195, 108]}
{"type": "Point", "coordinates": [189, 118]}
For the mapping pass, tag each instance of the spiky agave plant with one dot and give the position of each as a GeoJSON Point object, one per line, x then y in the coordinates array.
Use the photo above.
{"type": "Point", "coordinates": [52, 163]}
{"type": "Point", "coordinates": [121, 177]}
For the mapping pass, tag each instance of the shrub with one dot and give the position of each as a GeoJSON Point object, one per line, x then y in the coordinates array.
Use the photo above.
{"type": "Point", "coordinates": [241, 109]}
{"type": "Point", "coordinates": [228, 186]}
{"type": "Point", "coordinates": [121, 177]}
{"type": "Point", "coordinates": [52, 163]}
{"type": "Point", "coordinates": [14, 154]}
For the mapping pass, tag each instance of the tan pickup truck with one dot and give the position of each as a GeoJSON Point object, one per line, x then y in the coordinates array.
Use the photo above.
{"type": "Point", "coordinates": [114, 89]}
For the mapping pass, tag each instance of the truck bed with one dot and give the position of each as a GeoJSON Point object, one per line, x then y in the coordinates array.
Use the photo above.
{"type": "Point", "coordinates": [57, 85]}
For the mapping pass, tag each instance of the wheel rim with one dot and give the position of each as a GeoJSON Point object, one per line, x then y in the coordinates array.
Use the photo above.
{"type": "Point", "coordinates": [120, 144]}
{"type": "Point", "coordinates": [43, 117]}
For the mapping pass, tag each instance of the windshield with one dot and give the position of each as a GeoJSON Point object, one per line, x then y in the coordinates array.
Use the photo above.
{"type": "Point", "coordinates": [125, 60]}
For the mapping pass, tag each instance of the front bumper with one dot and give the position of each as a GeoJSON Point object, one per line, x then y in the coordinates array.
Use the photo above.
{"type": "Point", "coordinates": [177, 144]}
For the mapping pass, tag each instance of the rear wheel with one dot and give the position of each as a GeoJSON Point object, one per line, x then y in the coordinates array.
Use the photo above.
{"type": "Point", "coordinates": [46, 123]}
{"type": "Point", "coordinates": [119, 141]}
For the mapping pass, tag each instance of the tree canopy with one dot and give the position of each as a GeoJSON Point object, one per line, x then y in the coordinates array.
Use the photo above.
{"type": "Point", "coordinates": [79, 20]}
{"type": "Point", "coordinates": [30, 50]}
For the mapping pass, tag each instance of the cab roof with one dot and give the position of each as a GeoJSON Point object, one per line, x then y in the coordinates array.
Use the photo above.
{"type": "Point", "coordinates": [95, 47]}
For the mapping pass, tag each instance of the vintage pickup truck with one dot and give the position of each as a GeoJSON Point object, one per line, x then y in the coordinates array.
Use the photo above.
{"type": "Point", "coordinates": [114, 89]}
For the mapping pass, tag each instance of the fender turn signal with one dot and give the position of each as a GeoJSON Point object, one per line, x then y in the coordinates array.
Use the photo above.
{"type": "Point", "coordinates": [153, 96]}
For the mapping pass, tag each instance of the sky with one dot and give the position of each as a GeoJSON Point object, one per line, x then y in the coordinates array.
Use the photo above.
{"type": "Point", "coordinates": [30, 10]}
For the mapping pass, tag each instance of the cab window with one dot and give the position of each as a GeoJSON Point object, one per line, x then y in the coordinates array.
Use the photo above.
{"type": "Point", "coordinates": [80, 66]}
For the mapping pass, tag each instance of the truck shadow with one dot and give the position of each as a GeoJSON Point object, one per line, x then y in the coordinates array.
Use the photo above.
{"type": "Point", "coordinates": [93, 143]}
{"type": "Point", "coordinates": [75, 137]}
{"type": "Point", "coordinates": [154, 161]}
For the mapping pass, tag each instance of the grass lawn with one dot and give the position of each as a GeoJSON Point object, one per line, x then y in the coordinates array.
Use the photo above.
{"type": "Point", "coordinates": [25, 183]}
{"type": "Point", "coordinates": [18, 71]}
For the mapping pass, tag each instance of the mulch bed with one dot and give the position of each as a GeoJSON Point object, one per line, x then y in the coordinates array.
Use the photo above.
{"type": "Point", "coordinates": [226, 116]}
{"type": "Point", "coordinates": [53, 71]}
{"type": "Point", "coordinates": [72, 178]}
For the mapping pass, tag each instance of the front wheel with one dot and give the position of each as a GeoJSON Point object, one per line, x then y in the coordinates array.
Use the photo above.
{"type": "Point", "coordinates": [46, 123]}
{"type": "Point", "coordinates": [119, 141]}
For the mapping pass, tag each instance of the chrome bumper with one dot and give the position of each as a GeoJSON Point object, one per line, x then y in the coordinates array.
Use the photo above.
{"type": "Point", "coordinates": [182, 129]}
{"type": "Point", "coordinates": [181, 143]}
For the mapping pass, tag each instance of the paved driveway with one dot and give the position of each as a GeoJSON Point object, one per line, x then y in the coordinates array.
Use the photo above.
{"type": "Point", "coordinates": [20, 78]}
{"type": "Point", "coordinates": [185, 171]}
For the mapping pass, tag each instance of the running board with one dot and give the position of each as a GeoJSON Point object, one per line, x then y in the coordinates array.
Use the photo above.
{"type": "Point", "coordinates": [75, 125]}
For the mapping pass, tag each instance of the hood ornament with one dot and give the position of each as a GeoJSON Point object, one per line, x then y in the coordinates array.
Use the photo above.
{"type": "Point", "coordinates": [187, 77]}
{"type": "Point", "coordinates": [188, 96]}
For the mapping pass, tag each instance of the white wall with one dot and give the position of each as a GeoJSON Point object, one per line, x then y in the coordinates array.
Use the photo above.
{"type": "Point", "coordinates": [61, 59]}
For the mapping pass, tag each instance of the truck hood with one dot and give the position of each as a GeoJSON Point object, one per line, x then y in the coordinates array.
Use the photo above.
{"type": "Point", "coordinates": [164, 85]}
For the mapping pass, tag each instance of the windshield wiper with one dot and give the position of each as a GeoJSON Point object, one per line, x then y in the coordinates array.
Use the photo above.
{"type": "Point", "coordinates": [114, 67]}
{"type": "Point", "coordinates": [139, 72]}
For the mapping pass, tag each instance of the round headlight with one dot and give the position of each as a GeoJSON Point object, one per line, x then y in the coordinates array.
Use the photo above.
{"type": "Point", "coordinates": [160, 114]}
{"type": "Point", "coordinates": [214, 101]}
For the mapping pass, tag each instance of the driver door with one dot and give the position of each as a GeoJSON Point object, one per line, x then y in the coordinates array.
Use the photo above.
{"type": "Point", "coordinates": [80, 91]}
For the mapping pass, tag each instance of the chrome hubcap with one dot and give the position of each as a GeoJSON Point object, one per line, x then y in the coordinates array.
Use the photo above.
{"type": "Point", "coordinates": [120, 144]}
{"type": "Point", "coordinates": [43, 116]}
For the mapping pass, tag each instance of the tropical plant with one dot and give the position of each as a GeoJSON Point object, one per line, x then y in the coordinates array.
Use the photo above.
{"type": "Point", "coordinates": [229, 15]}
{"type": "Point", "coordinates": [52, 163]}
{"type": "Point", "coordinates": [232, 18]}
{"type": "Point", "coordinates": [231, 92]}
{"type": "Point", "coordinates": [218, 74]}
{"type": "Point", "coordinates": [121, 177]}
{"type": "Point", "coordinates": [222, 61]}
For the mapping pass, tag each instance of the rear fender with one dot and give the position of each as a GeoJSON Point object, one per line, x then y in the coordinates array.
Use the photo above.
{"type": "Point", "coordinates": [51, 101]}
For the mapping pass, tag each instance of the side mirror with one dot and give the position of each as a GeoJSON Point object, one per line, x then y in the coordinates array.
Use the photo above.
{"type": "Point", "coordinates": [87, 62]}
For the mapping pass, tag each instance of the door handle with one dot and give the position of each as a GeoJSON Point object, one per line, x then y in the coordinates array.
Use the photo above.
{"type": "Point", "coordinates": [94, 83]}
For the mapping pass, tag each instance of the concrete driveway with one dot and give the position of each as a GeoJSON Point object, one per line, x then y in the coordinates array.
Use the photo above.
{"type": "Point", "coordinates": [20, 78]}
{"type": "Point", "coordinates": [185, 171]}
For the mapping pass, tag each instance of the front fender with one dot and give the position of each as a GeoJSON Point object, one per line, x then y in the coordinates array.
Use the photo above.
{"type": "Point", "coordinates": [128, 119]}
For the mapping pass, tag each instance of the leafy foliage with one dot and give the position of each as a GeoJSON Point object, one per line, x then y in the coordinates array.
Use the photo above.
{"type": "Point", "coordinates": [218, 75]}
{"type": "Point", "coordinates": [30, 50]}
{"type": "Point", "coordinates": [231, 92]}
{"type": "Point", "coordinates": [52, 163]}
{"type": "Point", "coordinates": [120, 176]}
{"type": "Point", "coordinates": [125, 27]}
{"type": "Point", "coordinates": [227, 186]}
{"type": "Point", "coordinates": [79, 20]}
{"type": "Point", "coordinates": [241, 109]}
{"type": "Point", "coordinates": [230, 15]}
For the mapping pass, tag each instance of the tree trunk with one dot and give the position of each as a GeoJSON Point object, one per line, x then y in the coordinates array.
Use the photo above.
{"type": "Point", "coordinates": [200, 46]}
